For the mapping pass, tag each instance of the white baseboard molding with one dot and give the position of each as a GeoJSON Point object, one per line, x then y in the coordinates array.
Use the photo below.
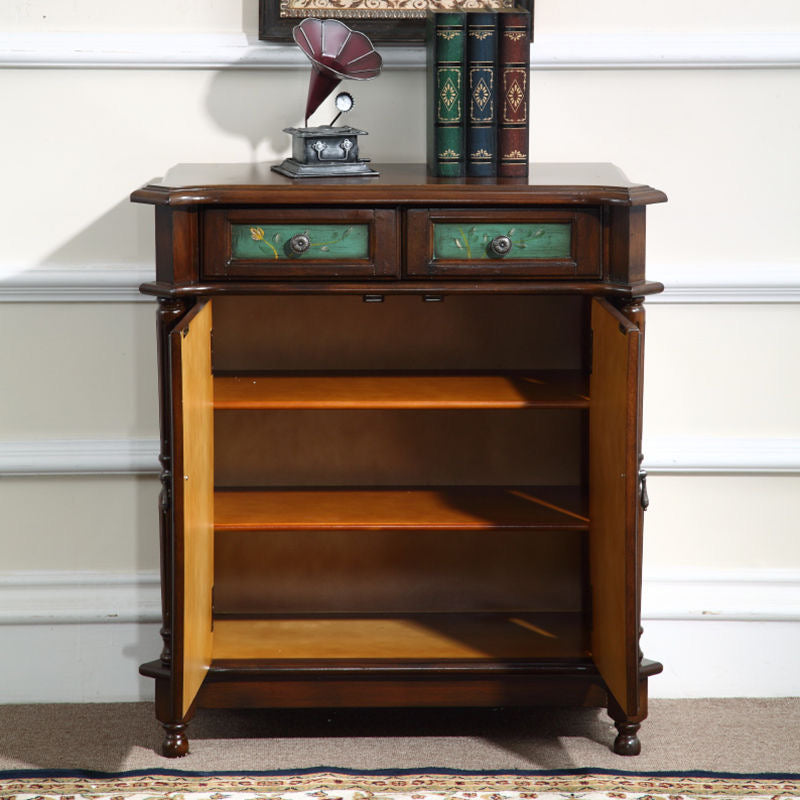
{"type": "Point", "coordinates": [719, 633]}
{"type": "Point", "coordinates": [714, 658]}
{"type": "Point", "coordinates": [664, 455]}
{"type": "Point", "coordinates": [75, 663]}
{"type": "Point", "coordinates": [637, 50]}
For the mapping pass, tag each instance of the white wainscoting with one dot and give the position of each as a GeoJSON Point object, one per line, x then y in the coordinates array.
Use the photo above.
{"type": "Point", "coordinates": [550, 51]}
{"type": "Point", "coordinates": [79, 637]}
{"type": "Point", "coordinates": [76, 663]}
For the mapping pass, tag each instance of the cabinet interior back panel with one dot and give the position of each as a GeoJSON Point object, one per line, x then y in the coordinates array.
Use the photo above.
{"type": "Point", "coordinates": [502, 332]}
{"type": "Point", "coordinates": [399, 448]}
{"type": "Point", "coordinates": [368, 571]}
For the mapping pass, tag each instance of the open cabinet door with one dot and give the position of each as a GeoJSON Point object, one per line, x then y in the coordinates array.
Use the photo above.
{"type": "Point", "coordinates": [193, 503]}
{"type": "Point", "coordinates": [613, 501]}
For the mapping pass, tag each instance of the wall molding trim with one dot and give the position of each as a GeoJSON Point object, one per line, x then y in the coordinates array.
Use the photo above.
{"type": "Point", "coordinates": [80, 457]}
{"type": "Point", "coordinates": [776, 282]}
{"type": "Point", "coordinates": [664, 455]}
{"type": "Point", "coordinates": [697, 283]}
{"type": "Point", "coordinates": [636, 50]}
{"type": "Point", "coordinates": [51, 597]}
{"type": "Point", "coordinates": [718, 455]}
{"type": "Point", "coordinates": [75, 284]}
{"type": "Point", "coordinates": [88, 597]}
{"type": "Point", "coordinates": [742, 595]}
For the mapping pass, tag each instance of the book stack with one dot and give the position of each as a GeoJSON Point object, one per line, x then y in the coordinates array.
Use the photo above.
{"type": "Point", "coordinates": [478, 93]}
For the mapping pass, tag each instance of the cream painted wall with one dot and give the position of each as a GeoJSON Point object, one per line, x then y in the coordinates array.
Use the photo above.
{"type": "Point", "coordinates": [728, 370]}
{"type": "Point", "coordinates": [713, 522]}
{"type": "Point", "coordinates": [204, 16]}
{"type": "Point", "coordinates": [91, 136]}
{"type": "Point", "coordinates": [724, 376]}
{"type": "Point", "coordinates": [80, 523]}
{"type": "Point", "coordinates": [70, 382]}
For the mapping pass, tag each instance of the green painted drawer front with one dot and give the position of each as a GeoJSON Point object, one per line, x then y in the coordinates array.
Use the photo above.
{"type": "Point", "coordinates": [529, 241]}
{"type": "Point", "coordinates": [340, 242]}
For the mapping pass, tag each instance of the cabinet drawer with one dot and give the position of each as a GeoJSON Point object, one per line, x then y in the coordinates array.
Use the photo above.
{"type": "Point", "coordinates": [546, 243]}
{"type": "Point", "coordinates": [298, 243]}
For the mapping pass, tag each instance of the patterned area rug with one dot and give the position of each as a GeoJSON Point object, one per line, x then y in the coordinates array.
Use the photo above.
{"type": "Point", "coordinates": [330, 784]}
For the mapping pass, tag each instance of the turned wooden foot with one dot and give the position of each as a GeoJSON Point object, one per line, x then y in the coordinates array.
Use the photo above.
{"type": "Point", "coordinates": [627, 742]}
{"type": "Point", "coordinates": [176, 744]}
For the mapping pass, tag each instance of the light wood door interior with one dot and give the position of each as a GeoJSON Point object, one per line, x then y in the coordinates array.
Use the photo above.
{"type": "Point", "coordinates": [193, 420]}
{"type": "Point", "coordinates": [613, 497]}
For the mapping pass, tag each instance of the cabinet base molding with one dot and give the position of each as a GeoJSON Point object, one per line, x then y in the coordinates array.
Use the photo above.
{"type": "Point", "coordinates": [279, 686]}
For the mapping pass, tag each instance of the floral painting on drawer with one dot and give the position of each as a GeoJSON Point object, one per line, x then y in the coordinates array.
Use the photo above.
{"type": "Point", "coordinates": [310, 242]}
{"type": "Point", "coordinates": [495, 240]}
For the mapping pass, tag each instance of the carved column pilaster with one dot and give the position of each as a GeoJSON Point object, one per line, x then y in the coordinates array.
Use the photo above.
{"type": "Point", "coordinates": [633, 309]}
{"type": "Point", "coordinates": [168, 313]}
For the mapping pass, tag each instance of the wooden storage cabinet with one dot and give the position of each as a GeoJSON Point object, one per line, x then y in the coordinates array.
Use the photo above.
{"type": "Point", "coordinates": [419, 491]}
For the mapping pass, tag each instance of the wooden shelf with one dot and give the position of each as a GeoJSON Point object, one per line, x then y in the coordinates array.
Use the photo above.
{"type": "Point", "coordinates": [456, 508]}
{"type": "Point", "coordinates": [543, 389]}
{"type": "Point", "coordinates": [402, 638]}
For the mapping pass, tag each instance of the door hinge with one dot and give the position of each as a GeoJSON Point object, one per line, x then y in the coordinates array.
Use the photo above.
{"type": "Point", "coordinates": [213, 591]}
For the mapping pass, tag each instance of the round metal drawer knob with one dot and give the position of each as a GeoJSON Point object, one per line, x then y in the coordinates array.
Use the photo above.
{"type": "Point", "coordinates": [500, 245]}
{"type": "Point", "coordinates": [298, 244]}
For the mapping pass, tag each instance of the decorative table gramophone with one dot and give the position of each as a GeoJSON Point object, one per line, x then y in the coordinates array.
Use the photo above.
{"type": "Point", "coordinates": [335, 52]}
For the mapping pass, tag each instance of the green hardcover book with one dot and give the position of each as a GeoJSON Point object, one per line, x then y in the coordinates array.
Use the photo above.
{"type": "Point", "coordinates": [446, 114]}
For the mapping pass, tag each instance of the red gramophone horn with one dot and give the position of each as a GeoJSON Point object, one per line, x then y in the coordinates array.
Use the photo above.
{"type": "Point", "coordinates": [335, 52]}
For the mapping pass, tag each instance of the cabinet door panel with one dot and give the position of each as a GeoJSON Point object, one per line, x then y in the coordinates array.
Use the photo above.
{"type": "Point", "coordinates": [613, 495]}
{"type": "Point", "coordinates": [193, 459]}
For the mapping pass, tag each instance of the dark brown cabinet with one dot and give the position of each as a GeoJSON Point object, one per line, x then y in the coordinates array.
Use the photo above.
{"type": "Point", "coordinates": [400, 439]}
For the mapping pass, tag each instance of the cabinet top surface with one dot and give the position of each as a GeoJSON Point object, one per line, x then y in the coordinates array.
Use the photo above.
{"type": "Point", "coordinates": [210, 184]}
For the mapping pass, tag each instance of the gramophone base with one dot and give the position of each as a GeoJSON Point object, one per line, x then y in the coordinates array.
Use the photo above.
{"type": "Point", "coordinates": [324, 151]}
{"type": "Point", "coordinates": [296, 169]}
